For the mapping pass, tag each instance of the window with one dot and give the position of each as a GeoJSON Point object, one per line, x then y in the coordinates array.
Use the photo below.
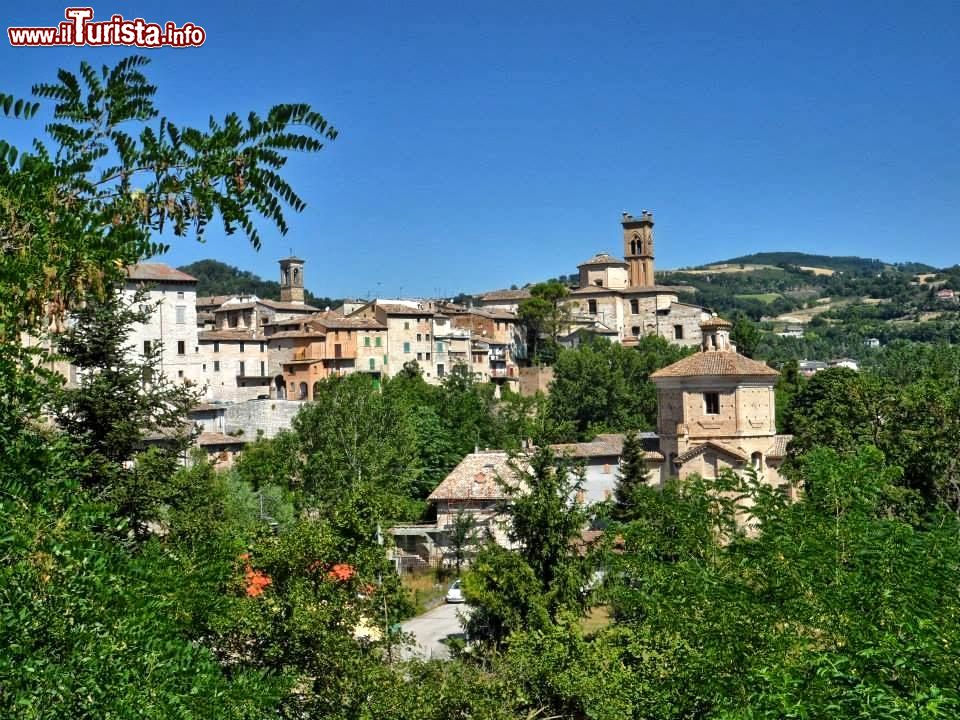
{"type": "Point", "coordinates": [711, 401]}
{"type": "Point", "coordinates": [241, 347]}
{"type": "Point", "coordinates": [263, 369]}
{"type": "Point", "coordinates": [384, 359]}
{"type": "Point", "coordinates": [428, 337]}
{"type": "Point", "coordinates": [406, 325]}
{"type": "Point", "coordinates": [262, 347]}
{"type": "Point", "coordinates": [592, 307]}
{"type": "Point", "coordinates": [406, 347]}
{"type": "Point", "coordinates": [373, 364]}
{"type": "Point", "coordinates": [439, 347]}
{"type": "Point", "coordinates": [243, 369]}
{"type": "Point", "coordinates": [419, 356]}
{"type": "Point", "coordinates": [216, 366]}
{"type": "Point", "coordinates": [428, 356]}
{"type": "Point", "coordinates": [635, 331]}
{"type": "Point", "coordinates": [180, 295]}
{"type": "Point", "coordinates": [366, 341]}
{"type": "Point", "coordinates": [440, 370]}
{"type": "Point", "coordinates": [181, 314]}
{"type": "Point", "coordinates": [678, 332]}
{"type": "Point", "coordinates": [216, 347]}
{"type": "Point", "coordinates": [181, 347]}
{"type": "Point", "coordinates": [418, 337]}
{"type": "Point", "coordinates": [378, 341]}
{"type": "Point", "coordinates": [180, 373]}
{"type": "Point", "coordinates": [635, 306]}
{"type": "Point", "coordinates": [146, 347]}
{"type": "Point", "coordinates": [204, 367]}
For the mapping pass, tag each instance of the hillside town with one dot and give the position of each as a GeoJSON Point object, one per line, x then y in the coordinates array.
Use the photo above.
{"type": "Point", "coordinates": [711, 477]}
{"type": "Point", "coordinates": [251, 356]}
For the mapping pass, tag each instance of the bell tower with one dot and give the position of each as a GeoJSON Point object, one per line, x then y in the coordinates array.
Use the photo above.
{"type": "Point", "coordinates": [291, 280]}
{"type": "Point", "coordinates": [638, 248]}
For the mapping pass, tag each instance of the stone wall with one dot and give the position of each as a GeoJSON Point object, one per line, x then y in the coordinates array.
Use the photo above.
{"type": "Point", "coordinates": [268, 416]}
{"type": "Point", "coordinates": [533, 379]}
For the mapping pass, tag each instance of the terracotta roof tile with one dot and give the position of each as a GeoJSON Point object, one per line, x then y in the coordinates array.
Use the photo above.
{"type": "Point", "coordinates": [218, 438]}
{"type": "Point", "coordinates": [610, 445]}
{"type": "Point", "coordinates": [277, 305]}
{"type": "Point", "coordinates": [475, 477]}
{"type": "Point", "coordinates": [715, 362]}
{"type": "Point", "coordinates": [400, 309]}
{"type": "Point", "coordinates": [213, 300]}
{"type": "Point", "coordinates": [779, 447]}
{"type": "Point", "coordinates": [240, 335]}
{"type": "Point", "coordinates": [603, 258]}
{"type": "Point", "coordinates": [157, 272]}
{"type": "Point", "coordinates": [505, 295]}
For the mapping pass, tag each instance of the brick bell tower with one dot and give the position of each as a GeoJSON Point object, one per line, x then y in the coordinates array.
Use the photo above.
{"type": "Point", "coordinates": [638, 248]}
{"type": "Point", "coordinates": [291, 280]}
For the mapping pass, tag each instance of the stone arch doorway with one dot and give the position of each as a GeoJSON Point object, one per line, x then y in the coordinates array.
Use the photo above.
{"type": "Point", "coordinates": [281, 387]}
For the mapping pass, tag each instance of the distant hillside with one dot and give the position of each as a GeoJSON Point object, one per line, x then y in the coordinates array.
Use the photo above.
{"type": "Point", "coordinates": [217, 278]}
{"type": "Point", "coordinates": [849, 263]}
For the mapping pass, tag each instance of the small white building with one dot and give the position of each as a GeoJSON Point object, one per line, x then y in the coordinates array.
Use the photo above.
{"type": "Point", "coordinates": [171, 296]}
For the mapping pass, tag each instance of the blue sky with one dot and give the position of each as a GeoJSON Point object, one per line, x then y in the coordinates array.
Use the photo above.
{"type": "Point", "coordinates": [498, 144]}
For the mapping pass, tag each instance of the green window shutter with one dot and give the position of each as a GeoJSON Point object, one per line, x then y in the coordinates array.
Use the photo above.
{"type": "Point", "coordinates": [406, 347]}
{"type": "Point", "coordinates": [384, 359]}
{"type": "Point", "coordinates": [373, 364]}
{"type": "Point", "coordinates": [366, 341]}
{"type": "Point", "coordinates": [378, 341]}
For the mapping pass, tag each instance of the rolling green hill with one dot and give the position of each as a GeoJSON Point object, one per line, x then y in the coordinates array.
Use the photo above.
{"type": "Point", "coordinates": [841, 263]}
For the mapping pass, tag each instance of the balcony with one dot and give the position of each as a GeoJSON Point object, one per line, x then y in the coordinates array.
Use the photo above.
{"type": "Point", "coordinates": [503, 372]}
{"type": "Point", "coordinates": [333, 352]}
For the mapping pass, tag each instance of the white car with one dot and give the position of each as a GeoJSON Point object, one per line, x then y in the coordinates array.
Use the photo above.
{"type": "Point", "coordinates": [455, 594]}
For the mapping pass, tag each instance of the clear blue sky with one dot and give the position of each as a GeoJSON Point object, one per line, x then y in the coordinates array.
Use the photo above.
{"type": "Point", "coordinates": [499, 144]}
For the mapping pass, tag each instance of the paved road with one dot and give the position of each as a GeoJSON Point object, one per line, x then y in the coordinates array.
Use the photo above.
{"type": "Point", "coordinates": [432, 627]}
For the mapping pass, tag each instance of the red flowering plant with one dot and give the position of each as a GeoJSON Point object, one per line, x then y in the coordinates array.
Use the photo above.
{"type": "Point", "coordinates": [341, 572]}
{"type": "Point", "coordinates": [256, 580]}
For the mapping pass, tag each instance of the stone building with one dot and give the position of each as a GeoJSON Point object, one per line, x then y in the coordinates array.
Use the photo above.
{"type": "Point", "coordinates": [171, 296]}
{"type": "Point", "coordinates": [235, 360]}
{"type": "Point", "coordinates": [326, 345]}
{"type": "Point", "coordinates": [619, 298]}
{"type": "Point", "coordinates": [410, 335]}
{"type": "Point", "coordinates": [497, 343]}
{"type": "Point", "coordinates": [474, 488]}
{"type": "Point", "coordinates": [601, 462]}
{"type": "Point", "coordinates": [716, 410]}
{"type": "Point", "coordinates": [234, 364]}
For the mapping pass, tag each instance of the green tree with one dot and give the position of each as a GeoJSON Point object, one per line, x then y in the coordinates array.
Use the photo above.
{"type": "Point", "coordinates": [463, 535]}
{"type": "Point", "coordinates": [632, 476]}
{"type": "Point", "coordinates": [354, 434]}
{"type": "Point", "coordinates": [545, 314]}
{"type": "Point", "coordinates": [120, 398]}
{"type": "Point", "coordinates": [547, 574]}
{"type": "Point", "coordinates": [745, 335]}
{"type": "Point", "coordinates": [605, 387]}
{"type": "Point", "coordinates": [763, 623]}
{"type": "Point", "coordinates": [84, 620]}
